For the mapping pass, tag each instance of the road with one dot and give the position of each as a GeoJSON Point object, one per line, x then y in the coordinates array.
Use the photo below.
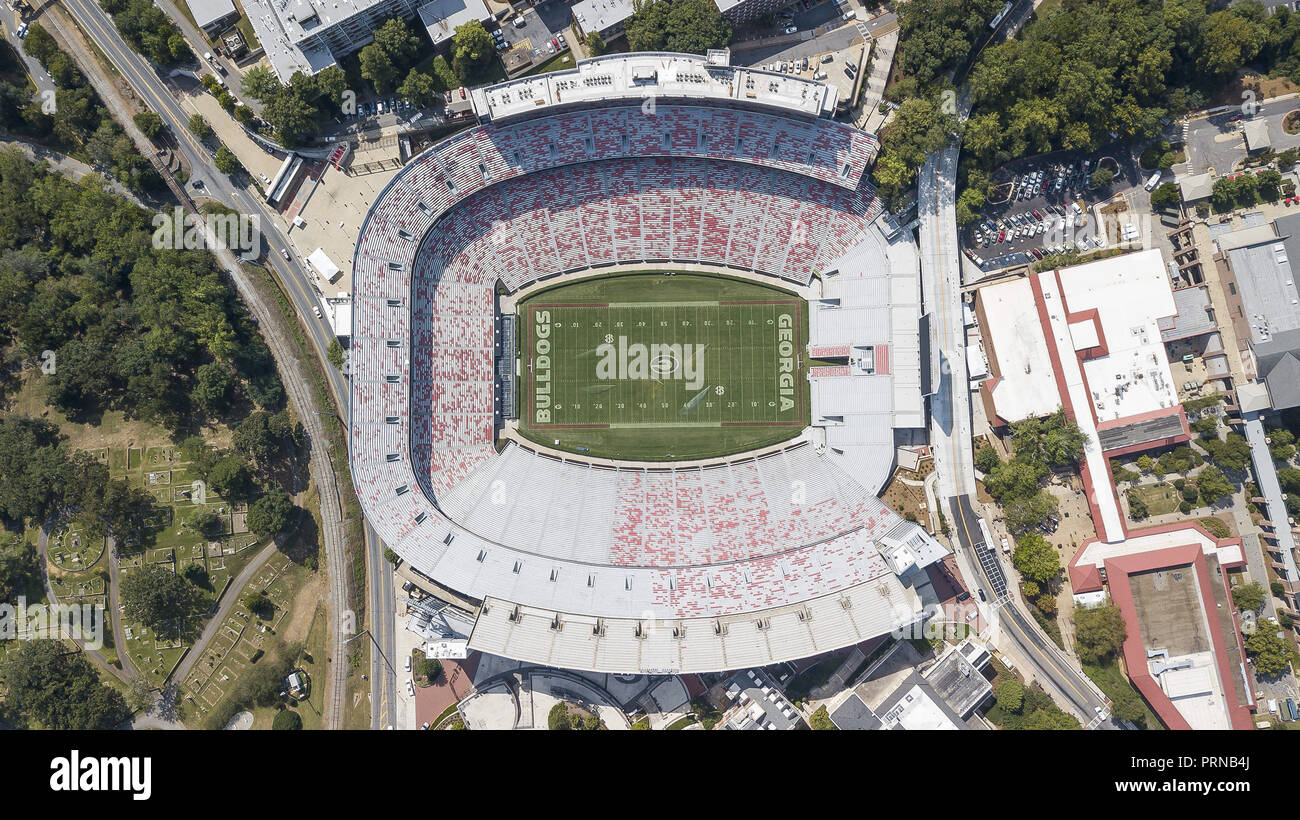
{"type": "Point", "coordinates": [1216, 143]}
{"type": "Point", "coordinates": [1056, 673]}
{"type": "Point", "coordinates": [950, 438]}
{"type": "Point", "coordinates": [218, 619]}
{"type": "Point", "coordinates": [9, 18]}
{"type": "Point", "coordinates": [295, 374]}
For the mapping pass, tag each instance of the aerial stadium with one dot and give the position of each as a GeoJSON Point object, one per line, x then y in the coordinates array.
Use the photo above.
{"type": "Point", "coordinates": [630, 361]}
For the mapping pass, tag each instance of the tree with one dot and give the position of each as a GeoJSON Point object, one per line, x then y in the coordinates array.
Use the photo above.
{"type": "Point", "coordinates": [1099, 632]}
{"type": "Point", "coordinates": [230, 477]}
{"type": "Point", "coordinates": [199, 125]}
{"type": "Point", "coordinates": [159, 599]}
{"type": "Point", "coordinates": [1248, 597]}
{"type": "Point", "coordinates": [1011, 695]}
{"type": "Point", "coordinates": [50, 686]}
{"type": "Point", "coordinates": [1165, 197]}
{"type": "Point", "coordinates": [419, 88]}
{"type": "Point", "coordinates": [429, 669]}
{"type": "Point", "coordinates": [1024, 514]}
{"type": "Point", "coordinates": [378, 68]}
{"type": "Point", "coordinates": [595, 44]}
{"type": "Point", "coordinates": [1228, 41]}
{"type": "Point", "coordinates": [286, 720]}
{"type": "Point", "coordinates": [271, 514]}
{"type": "Point", "coordinates": [1036, 560]}
{"type": "Point", "coordinates": [212, 390]}
{"type": "Point", "coordinates": [1013, 479]}
{"type": "Point", "coordinates": [558, 718]}
{"type": "Point", "coordinates": [260, 84]}
{"type": "Point", "coordinates": [472, 48]}
{"type": "Point", "coordinates": [685, 26]}
{"type": "Point", "coordinates": [1102, 178]}
{"type": "Point", "coordinates": [1054, 441]}
{"type": "Point", "coordinates": [986, 459]}
{"type": "Point", "coordinates": [19, 567]}
{"type": "Point", "coordinates": [149, 123]}
{"type": "Point", "coordinates": [821, 720]}
{"type": "Point", "coordinates": [121, 511]}
{"type": "Point", "coordinates": [1270, 654]}
{"type": "Point", "coordinates": [1212, 485]}
{"type": "Point", "coordinates": [1137, 508]}
{"type": "Point", "coordinates": [226, 161]}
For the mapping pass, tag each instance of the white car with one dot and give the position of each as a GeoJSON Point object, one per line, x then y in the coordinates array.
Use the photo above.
{"type": "Point", "coordinates": [791, 29]}
{"type": "Point", "coordinates": [315, 310]}
{"type": "Point", "coordinates": [410, 688]}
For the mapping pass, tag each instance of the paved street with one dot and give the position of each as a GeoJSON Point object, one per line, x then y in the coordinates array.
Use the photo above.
{"type": "Point", "coordinates": [1216, 142]}
{"type": "Point", "coordinates": [9, 20]}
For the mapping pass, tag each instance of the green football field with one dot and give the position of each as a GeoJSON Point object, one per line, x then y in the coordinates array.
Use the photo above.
{"type": "Point", "coordinates": [657, 367]}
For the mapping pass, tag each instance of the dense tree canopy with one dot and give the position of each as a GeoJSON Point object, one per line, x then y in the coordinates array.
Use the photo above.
{"type": "Point", "coordinates": [685, 26]}
{"type": "Point", "coordinates": [129, 323]}
{"type": "Point", "coordinates": [1099, 632]}
{"type": "Point", "coordinates": [1036, 560]}
{"type": "Point", "coordinates": [160, 599]}
{"type": "Point", "coordinates": [49, 686]}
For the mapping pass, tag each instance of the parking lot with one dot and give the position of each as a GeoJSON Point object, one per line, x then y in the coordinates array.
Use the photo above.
{"type": "Point", "coordinates": [543, 31]}
{"type": "Point", "coordinates": [1040, 207]}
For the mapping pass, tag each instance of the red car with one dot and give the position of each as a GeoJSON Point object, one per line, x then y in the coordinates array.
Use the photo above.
{"type": "Point", "coordinates": [1002, 236]}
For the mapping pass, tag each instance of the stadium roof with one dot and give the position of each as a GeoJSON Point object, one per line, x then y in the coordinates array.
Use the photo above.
{"type": "Point", "coordinates": [654, 76]}
{"type": "Point", "coordinates": [580, 565]}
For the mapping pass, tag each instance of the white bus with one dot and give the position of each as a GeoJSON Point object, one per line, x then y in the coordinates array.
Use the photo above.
{"type": "Point", "coordinates": [1153, 181]}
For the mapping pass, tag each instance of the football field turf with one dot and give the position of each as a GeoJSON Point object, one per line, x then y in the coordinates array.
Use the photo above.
{"type": "Point", "coordinates": [662, 367]}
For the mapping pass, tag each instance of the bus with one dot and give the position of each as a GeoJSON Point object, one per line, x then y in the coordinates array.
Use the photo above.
{"type": "Point", "coordinates": [1153, 181]}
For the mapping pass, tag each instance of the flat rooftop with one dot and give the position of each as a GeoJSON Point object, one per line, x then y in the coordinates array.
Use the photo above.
{"type": "Point", "coordinates": [649, 75]}
{"type": "Point", "coordinates": [1130, 294]}
{"type": "Point", "coordinates": [441, 17]}
{"type": "Point", "coordinates": [1026, 384]}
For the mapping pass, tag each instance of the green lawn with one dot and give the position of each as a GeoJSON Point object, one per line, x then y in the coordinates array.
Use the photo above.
{"type": "Point", "coordinates": [1160, 497]}
{"type": "Point", "coordinates": [662, 367]}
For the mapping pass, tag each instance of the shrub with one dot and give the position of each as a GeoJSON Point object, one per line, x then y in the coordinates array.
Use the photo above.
{"type": "Point", "coordinates": [287, 720]}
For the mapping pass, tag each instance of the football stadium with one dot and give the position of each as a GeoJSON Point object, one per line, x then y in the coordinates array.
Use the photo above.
{"type": "Point", "coordinates": [631, 358]}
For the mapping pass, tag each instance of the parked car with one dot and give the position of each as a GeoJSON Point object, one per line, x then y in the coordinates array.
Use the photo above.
{"type": "Point", "coordinates": [520, 22]}
{"type": "Point", "coordinates": [791, 29]}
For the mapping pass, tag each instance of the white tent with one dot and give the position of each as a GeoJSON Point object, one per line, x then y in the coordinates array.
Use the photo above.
{"type": "Point", "coordinates": [323, 265]}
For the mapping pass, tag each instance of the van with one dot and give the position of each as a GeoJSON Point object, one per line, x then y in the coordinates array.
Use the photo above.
{"type": "Point", "coordinates": [1153, 181]}
{"type": "Point", "coordinates": [520, 22]}
{"type": "Point", "coordinates": [315, 310]}
{"type": "Point", "coordinates": [826, 58]}
{"type": "Point", "coordinates": [819, 75]}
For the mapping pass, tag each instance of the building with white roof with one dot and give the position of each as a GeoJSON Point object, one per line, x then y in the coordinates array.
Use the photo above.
{"type": "Point", "coordinates": [311, 35]}
{"type": "Point", "coordinates": [1098, 326]}
{"type": "Point", "coordinates": [212, 15]}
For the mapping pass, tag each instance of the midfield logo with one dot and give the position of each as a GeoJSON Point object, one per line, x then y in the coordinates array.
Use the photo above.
{"type": "Point", "coordinates": [621, 361]}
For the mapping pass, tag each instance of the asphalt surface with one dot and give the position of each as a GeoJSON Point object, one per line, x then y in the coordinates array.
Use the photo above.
{"type": "Point", "coordinates": [1051, 668]}
{"type": "Point", "coordinates": [10, 21]}
{"type": "Point", "coordinates": [1216, 143]}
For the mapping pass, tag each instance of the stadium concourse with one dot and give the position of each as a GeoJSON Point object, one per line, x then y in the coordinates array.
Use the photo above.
{"type": "Point", "coordinates": [743, 560]}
